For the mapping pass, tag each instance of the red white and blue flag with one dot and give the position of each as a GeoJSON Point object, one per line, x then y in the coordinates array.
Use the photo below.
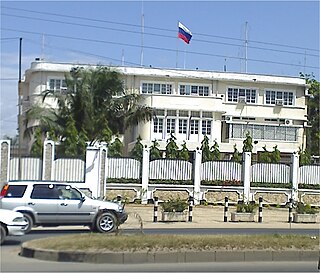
{"type": "Point", "coordinates": [184, 33]}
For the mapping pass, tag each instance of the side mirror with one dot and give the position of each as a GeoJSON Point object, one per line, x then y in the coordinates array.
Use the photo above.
{"type": "Point", "coordinates": [82, 198]}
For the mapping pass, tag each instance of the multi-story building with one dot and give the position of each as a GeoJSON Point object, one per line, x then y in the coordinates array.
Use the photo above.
{"type": "Point", "coordinates": [193, 103]}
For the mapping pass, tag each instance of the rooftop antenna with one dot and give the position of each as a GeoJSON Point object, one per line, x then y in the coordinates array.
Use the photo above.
{"type": "Point", "coordinates": [225, 65]}
{"type": "Point", "coordinates": [42, 47]}
{"type": "Point", "coordinates": [122, 58]}
{"type": "Point", "coordinates": [142, 34]}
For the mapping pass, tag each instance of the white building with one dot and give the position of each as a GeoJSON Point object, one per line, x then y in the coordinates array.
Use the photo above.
{"type": "Point", "coordinates": [191, 103]}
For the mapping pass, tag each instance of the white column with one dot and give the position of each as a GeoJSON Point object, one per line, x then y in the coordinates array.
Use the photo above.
{"type": "Point", "coordinates": [48, 160]}
{"type": "Point", "coordinates": [294, 176]}
{"type": "Point", "coordinates": [246, 176]}
{"type": "Point", "coordinates": [4, 161]}
{"type": "Point", "coordinates": [145, 193]}
{"type": "Point", "coordinates": [197, 195]}
{"type": "Point", "coordinates": [92, 170]}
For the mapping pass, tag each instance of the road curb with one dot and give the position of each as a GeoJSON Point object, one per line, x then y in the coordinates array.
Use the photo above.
{"type": "Point", "coordinates": [169, 256]}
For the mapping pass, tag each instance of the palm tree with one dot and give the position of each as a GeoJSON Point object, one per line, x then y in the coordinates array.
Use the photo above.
{"type": "Point", "coordinates": [98, 104]}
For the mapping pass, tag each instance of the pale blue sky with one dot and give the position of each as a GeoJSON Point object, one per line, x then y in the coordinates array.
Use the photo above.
{"type": "Point", "coordinates": [283, 37]}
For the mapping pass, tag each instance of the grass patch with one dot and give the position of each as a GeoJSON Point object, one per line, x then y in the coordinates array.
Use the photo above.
{"type": "Point", "coordinates": [110, 242]}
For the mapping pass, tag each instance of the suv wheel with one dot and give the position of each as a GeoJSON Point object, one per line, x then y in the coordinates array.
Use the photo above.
{"type": "Point", "coordinates": [29, 220]}
{"type": "Point", "coordinates": [3, 234]}
{"type": "Point", "coordinates": [106, 222]}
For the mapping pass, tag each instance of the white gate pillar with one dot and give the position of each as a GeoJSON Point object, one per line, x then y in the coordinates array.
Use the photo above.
{"type": "Point", "coordinates": [197, 194]}
{"type": "Point", "coordinates": [48, 160]}
{"type": "Point", "coordinates": [145, 193]}
{"type": "Point", "coordinates": [4, 161]}
{"type": "Point", "coordinates": [246, 176]}
{"type": "Point", "coordinates": [95, 169]}
{"type": "Point", "coordinates": [294, 176]}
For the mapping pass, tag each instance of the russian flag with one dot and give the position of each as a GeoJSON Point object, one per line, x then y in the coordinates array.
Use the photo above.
{"type": "Point", "coordinates": [184, 33]}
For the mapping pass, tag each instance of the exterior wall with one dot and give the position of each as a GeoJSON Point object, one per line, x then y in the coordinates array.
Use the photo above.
{"type": "Point", "coordinates": [37, 77]}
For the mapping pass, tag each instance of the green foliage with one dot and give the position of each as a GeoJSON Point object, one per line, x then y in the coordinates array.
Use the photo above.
{"type": "Point", "coordinates": [154, 150]}
{"type": "Point", "coordinates": [236, 156]}
{"type": "Point", "coordinates": [309, 186]}
{"type": "Point", "coordinates": [232, 182]}
{"type": "Point", "coordinates": [301, 208]}
{"type": "Point", "coordinates": [123, 180]}
{"type": "Point", "coordinates": [137, 151]}
{"type": "Point", "coordinates": [271, 185]}
{"type": "Point", "coordinates": [172, 149]}
{"type": "Point", "coordinates": [270, 157]}
{"type": "Point", "coordinates": [174, 205]}
{"type": "Point", "coordinates": [215, 152]}
{"type": "Point", "coordinates": [313, 103]}
{"type": "Point", "coordinates": [205, 148]}
{"type": "Point", "coordinates": [184, 152]}
{"type": "Point", "coordinates": [115, 149]}
{"type": "Point", "coordinates": [37, 146]}
{"type": "Point", "coordinates": [243, 207]}
{"type": "Point", "coordinates": [304, 157]}
{"type": "Point", "coordinates": [171, 182]}
{"type": "Point", "coordinates": [247, 143]}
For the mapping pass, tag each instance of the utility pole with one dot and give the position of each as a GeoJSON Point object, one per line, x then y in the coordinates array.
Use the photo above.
{"type": "Point", "coordinates": [20, 111]}
{"type": "Point", "coordinates": [142, 34]}
{"type": "Point", "coordinates": [246, 48]}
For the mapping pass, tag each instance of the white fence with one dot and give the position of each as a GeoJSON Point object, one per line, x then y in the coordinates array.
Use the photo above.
{"type": "Point", "coordinates": [309, 175]}
{"type": "Point", "coordinates": [270, 173]}
{"type": "Point", "coordinates": [69, 169]}
{"type": "Point", "coordinates": [127, 168]}
{"type": "Point", "coordinates": [220, 170]}
{"type": "Point", "coordinates": [31, 168]}
{"type": "Point", "coordinates": [170, 169]}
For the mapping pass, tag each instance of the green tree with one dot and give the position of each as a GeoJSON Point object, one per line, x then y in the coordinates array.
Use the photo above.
{"type": "Point", "coordinates": [313, 103]}
{"type": "Point", "coordinates": [98, 103]}
{"type": "Point", "coordinates": [36, 149]}
{"type": "Point", "coordinates": [264, 156]}
{"type": "Point", "coordinates": [205, 148]}
{"type": "Point", "coordinates": [247, 143]}
{"type": "Point", "coordinates": [154, 150]}
{"type": "Point", "coordinates": [275, 155]}
{"type": "Point", "coordinates": [137, 150]}
{"type": "Point", "coordinates": [115, 149]}
{"type": "Point", "coordinates": [70, 144]}
{"type": "Point", "coordinates": [184, 152]}
{"type": "Point", "coordinates": [304, 157]}
{"type": "Point", "coordinates": [172, 149]}
{"type": "Point", "coordinates": [236, 156]}
{"type": "Point", "coordinates": [215, 152]}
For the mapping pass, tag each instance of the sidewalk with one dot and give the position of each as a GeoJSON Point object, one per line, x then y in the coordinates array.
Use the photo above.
{"type": "Point", "coordinates": [212, 217]}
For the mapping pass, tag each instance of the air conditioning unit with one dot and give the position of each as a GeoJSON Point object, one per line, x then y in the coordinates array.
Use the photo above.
{"type": "Point", "coordinates": [228, 118]}
{"type": "Point", "coordinates": [279, 102]}
{"type": "Point", "coordinates": [288, 122]}
{"type": "Point", "coordinates": [242, 99]}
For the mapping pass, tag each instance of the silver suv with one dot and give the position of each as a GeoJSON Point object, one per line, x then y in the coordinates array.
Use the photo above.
{"type": "Point", "coordinates": [55, 204]}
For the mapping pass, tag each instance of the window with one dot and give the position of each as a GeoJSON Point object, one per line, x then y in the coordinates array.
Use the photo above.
{"type": "Point", "coordinates": [199, 90]}
{"type": "Point", "coordinates": [171, 125]}
{"type": "Point", "coordinates": [57, 85]}
{"type": "Point", "coordinates": [206, 127]}
{"type": "Point", "coordinates": [285, 97]}
{"type": "Point", "coordinates": [44, 192]}
{"type": "Point", "coordinates": [156, 88]}
{"type": "Point", "coordinates": [248, 94]}
{"type": "Point", "coordinates": [194, 127]}
{"type": "Point", "coordinates": [269, 132]}
{"type": "Point", "coordinates": [183, 124]}
{"type": "Point", "coordinates": [15, 191]}
{"type": "Point", "coordinates": [158, 125]}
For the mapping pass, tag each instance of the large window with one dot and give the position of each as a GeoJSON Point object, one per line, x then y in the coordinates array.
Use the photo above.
{"type": "Point", "coordinates": [171, 122]}
{"type": "Point", "coordinates": [206, 127]}
{"type": "Point", "coordinates": [194, 127]}
{"type": "Point", "coordinates": [156, 88]}
{"type": "Point", "coordinates": [158, 125]}
{"type": "Point", "coordinates": [57, 85]}
{"type": "Point", "coordinates": [281, 97]}
{"type": "Point", "coordinates": [183, 125]}
{"type": "Point", "coordinates": [249, 95]}
{"type": "Point", "coordinates": [269, 132]}
{"type": "Point", "coordinates": [197, 90]}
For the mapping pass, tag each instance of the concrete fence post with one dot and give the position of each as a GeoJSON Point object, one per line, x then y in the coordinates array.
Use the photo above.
{"type": "Point", "coordinates": [294, 176]}
{"type": "Point", "coordinates": [145, 193]}
{"type": "Point", "coordinates": [290, 210]}
{"type": "Point", "coordinates": [190, 201]}
{"type": "Point", "coordinates": [155, 209]}
{"type": "Point", "coordinates": [4, 161]}
{"type": "Point", "coordinates": [197, 195]}
{"type": "Point", "coordinates": [48, 167]}
{"type": "Point", "coordinates": [260, 210]}
{"type": "Point", "coordinates": [246, 176]}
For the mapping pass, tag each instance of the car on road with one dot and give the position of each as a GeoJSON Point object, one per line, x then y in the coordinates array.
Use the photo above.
{"type": "Point", "coordinates": [12, 223]}
{"type": "Point", "coordinates": [49, 203]}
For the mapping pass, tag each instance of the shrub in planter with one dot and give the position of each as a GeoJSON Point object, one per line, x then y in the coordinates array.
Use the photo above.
{"type": "Point", "coordinates": [174, 205]}
{"type": "Point", "coordinates": [304, 209]}
{"type": "Point", "coordinates": [243, 207]}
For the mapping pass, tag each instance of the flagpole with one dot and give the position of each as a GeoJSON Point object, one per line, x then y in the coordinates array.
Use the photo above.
{"type": "Point", "coordinates": [185, 56]}
{"type": "Point", "coordinates": [177, 47]}
{"type": "Point", "coordinates": [142, 34]}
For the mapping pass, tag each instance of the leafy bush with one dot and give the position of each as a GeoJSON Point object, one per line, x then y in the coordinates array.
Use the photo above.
{"type": "Point", "coordinates": [233, 182]}
{"type": "Point", "coordinates": [174, 205]}
{"type": "Point", "coordinates": [243, 207]}
{"type": "Point", "coordinates": [304, 209]}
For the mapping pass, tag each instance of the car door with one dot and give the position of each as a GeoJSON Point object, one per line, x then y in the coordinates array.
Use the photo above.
{"type": "Point", "coordinates": [44, 202]}
{"type": "Point", "coordinates": [73, 209]}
